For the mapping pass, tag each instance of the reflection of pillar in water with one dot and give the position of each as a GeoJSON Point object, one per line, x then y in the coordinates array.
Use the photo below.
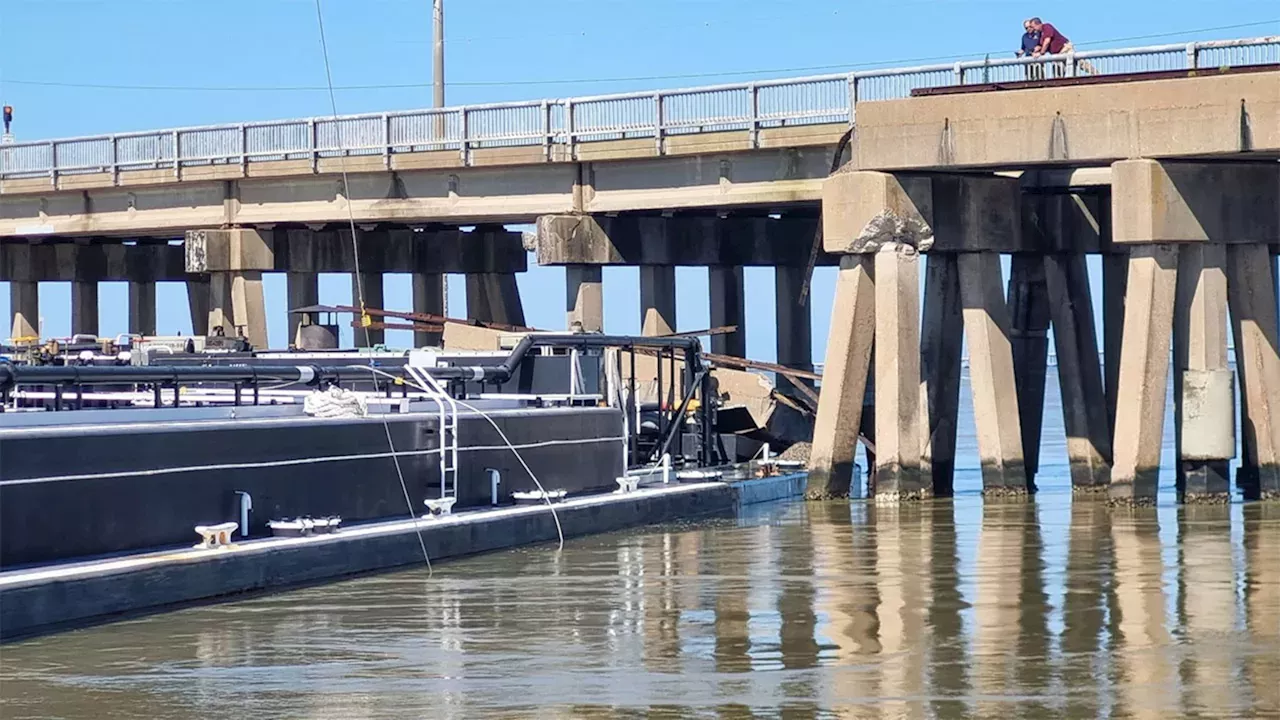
{"type": "Point", "coordinates": [1083, 611]}
{"type": "Point", "coordinates": [732, 612]}
{"type": "Point", "coordinates": [903, 553]}
{"type": "Point", "coordinates": [661, 636]}
{"type": "Point", "coordinates": [1262, 603]}
{"type": "Point", "coordinates": [797, 643]}
{"type": "Point", "coordinates": [997, 631]}
{"type": "Point", "coordinates": [1034, 678]}
{"type": "Point", "coordinates": [1207, 608]}
{"type": "Point", "coordinates": [1141, 639]}
{"type": "Point", "coordinates": [948, 662]}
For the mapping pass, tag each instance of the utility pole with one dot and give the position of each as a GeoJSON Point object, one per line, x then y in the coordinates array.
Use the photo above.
{"type": "Point", "coordinates": [437, 81]}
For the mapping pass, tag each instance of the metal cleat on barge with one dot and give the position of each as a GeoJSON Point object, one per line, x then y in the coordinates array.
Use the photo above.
{"type": "Point", "coordinates": [125, 445]}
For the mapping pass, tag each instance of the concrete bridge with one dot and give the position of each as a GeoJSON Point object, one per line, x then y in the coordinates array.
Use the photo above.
{"type": "Point", "coordinates": [1163, 159]}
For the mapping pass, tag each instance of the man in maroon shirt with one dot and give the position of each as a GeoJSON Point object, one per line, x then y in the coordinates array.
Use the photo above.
{"type": "Point", "coordinates": [1053, 42]}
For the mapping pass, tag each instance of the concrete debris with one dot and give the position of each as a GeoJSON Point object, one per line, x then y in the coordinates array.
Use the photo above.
{"type": "Point", "coordinates": [889, 227]}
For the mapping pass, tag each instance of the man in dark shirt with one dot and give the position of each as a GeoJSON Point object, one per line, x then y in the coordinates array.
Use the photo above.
{"type": "Point", "coordinates": [1030, 43]}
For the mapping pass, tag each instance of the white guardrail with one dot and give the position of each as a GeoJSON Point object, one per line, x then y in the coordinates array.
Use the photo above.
{"type": "Point", "coordinates": [565, 123]}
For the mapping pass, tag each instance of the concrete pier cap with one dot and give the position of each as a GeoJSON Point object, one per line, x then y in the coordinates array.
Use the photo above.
{"type": "Point", "coordinates": [1156, 201]}
{"type": "Point", "coordinates": [863, 210]}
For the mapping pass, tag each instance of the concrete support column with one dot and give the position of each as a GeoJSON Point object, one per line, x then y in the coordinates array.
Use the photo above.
{"type": "Point", "coordinates": [728, 307]}
{"type": "Point", "coordinates": [84, 307]}
{"type": "Point", "coordinates": [24, 305]}
{"type": "Point", "coordinates": [1203, 386]}
{"type": "Point", "coordinates": [584, 297]}
{"type": "Point", "coordinates": [250, 307]}
{"type": "Point", "coordinates": [428, 298]}
{"type": "Point", "coordinates": [1252, 295]}
{"type": "Point", "coordinates": [897, 376]}
{"type": "Point", "coordinates": [1144, 373]}
{"type": "Point", "coordinates": [995, 398]}
{"type": "Point", "coordinates": [494, 298]}
{"type": "Point", "coordinates": [835, 431]}
{"type": "Point", "coordinates": [657, 299]}
{"type": "Point", "coordinates": [794, 320]}
{"type": "Point", "coordinates": [370, 283]}
{"type": "Point", "coordinates": [1029, 337]}
{"type": "Point", "coordinates": [1084, 400]}
{"type": "Point", "coordinates": [940, 348]}
{"type": "Point", "coordinates": [142, 307]}
{"type": "Point", "coordinates": [222, 314]}
{"type": "Point", "coordinates": [303, 289]}
{"type": "Point", "coordinates": [1115, 279]}
{"type": "Point", "coordinates": [198, 295]}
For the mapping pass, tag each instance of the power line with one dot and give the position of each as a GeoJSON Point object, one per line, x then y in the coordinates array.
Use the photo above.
{"type": "Point", "coordinates": [589, 81]}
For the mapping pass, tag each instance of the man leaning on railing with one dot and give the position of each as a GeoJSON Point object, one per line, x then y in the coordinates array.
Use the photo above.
{"type": "Point", "coordinates": [1053, 42]}
{"type": "Point", "coordinates": [1030, 43]}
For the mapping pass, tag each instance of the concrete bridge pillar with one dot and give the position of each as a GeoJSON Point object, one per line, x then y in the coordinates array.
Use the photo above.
{"type": "Point", "coordinates": [657, 299]}
{"type": "Point", "coordinates": [584, 297]}
{"type": "Point", "coordinates": [303, 290]}
{"type": "Point", "coordinates": [1028, 300]}
{"type": "Point", "coordinates": [897, 376]}
{"type": "Point", "coordinates": [494, 298]}
{"type": "Point", "coordinates": [198, 295]}
{"type": "Point", "coordinates": [1181, 220]}
{"type": "Point", "coordinates": [84, 307]}
{"type": "Point", "coordinates": [794, 321]}
{"type": "Point", "coordinates": [428, 298]}
{"type": "Point", "coordinates": [234, 259]}
{"type": "Point", "coordinates": [142, 307]}
{"type": "Point", "coordinates": [24, 304]}
{"type": "Point", "coordinates": [728, 307]}
{"type": "Point", "coordinates": [367, 288]}
{"type": "Point", "coordinates": [967, 221]}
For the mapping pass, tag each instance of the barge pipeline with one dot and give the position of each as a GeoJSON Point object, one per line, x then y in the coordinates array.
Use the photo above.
{"type": "Point", "coordinates": [99, 508]}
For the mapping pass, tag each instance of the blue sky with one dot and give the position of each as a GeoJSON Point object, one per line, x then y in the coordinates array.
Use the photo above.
{"type": "Point", "coordinates": [64, 61]}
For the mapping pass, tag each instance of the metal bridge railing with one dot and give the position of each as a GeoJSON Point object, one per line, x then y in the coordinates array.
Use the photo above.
{"type": "Point", "coordinates": [566, 123]}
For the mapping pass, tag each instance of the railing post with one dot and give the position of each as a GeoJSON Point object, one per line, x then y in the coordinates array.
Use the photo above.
{"type": "Point", "coordinates": [115, 161]}
{"type": "Point", "coordinates": [1193, 56]}
{"type": "Point", "coordinates": [244, 149]}
{"type": "Point", "coordinates": [386, 140]}
{"type": "Point", "coordinates": [546, 130]}
{"type": "Point", "coordinates": [657, 126]}
{"type": "Point", "coordinates": [466, 139]}
{"type": "Point", "coordinates": [177, 157]}
{"type": "Point", "coordinates": [53, 164]}
{"type": "Point", "coordinates": [315, 141]}
{"type": "Point", "coordinates": [853, 96]}
{"type": "Point", "coordinates": [570, 139]}
{"type": "Point", "coordinates": [1071, 64]}
{"type": "Point", "coordinates": [754, 97]}
{"type": "Point", "coordinates": [959, 70]}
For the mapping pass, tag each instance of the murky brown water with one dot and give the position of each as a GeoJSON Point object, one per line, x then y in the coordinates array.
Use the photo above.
{"type": "Point", "coordinates": [831, 610]}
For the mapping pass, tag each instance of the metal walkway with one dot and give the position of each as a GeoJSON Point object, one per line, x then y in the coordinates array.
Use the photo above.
{"type": "Point", "coordinates": [564, 124]}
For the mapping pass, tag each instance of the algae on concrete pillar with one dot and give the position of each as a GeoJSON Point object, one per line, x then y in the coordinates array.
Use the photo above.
{"type": "Point", "coordinates": [941, 342]}
{"type": "Point", "coordinates": [24, 305]}
{"type": "Point", "coordinates": [1144, 373]}
{"type": "Point", "coordinates": [303, 290]}
{"type": "Point", "coordinates": [1203, 385]}
{"type": "Point", "coordinates": [897, 373]}
{"type": "Point", "coordinates": [1084, 404]}
{"type": "Point", "coordinates": [1252, 300]}
{"type": "Point", "coordinates": [728, 307]}
{"type": "Point", "coordinates": [844, 379]}
{"type": "Point", "coordinates": [995, 396]}
{"type": "Point", "coordinates": [198, 295]}
{"type": "Point", "coordinates": [584, 297]}
{"type": "Point", "coordinates": [794, 324]}
{"type": "Point", "coordinates": [84, 307]}
{"type": "Point", "coordinates": [370, 284]}
{"type": "Point", "coordinates": [428, 299]}
{"type": "Point", "coordinates": [142, 307]}
{"type": "Point", "coordinates": [657, 300]}
{"type": "Point", "coordinates": [1029, 338]}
